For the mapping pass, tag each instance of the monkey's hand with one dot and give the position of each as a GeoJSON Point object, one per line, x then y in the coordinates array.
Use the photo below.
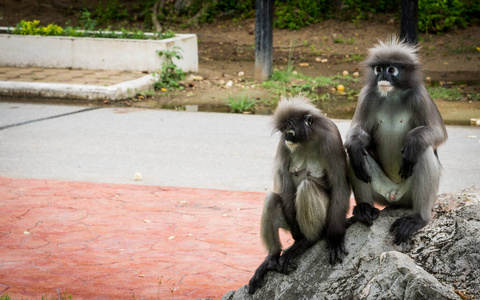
{"type": "Point", "coordinates": [336, 247]}
{"type": "Point", "coordinates": [357, 154]}
{"type": "Point", "coordinates": [405, 227]}
{"type": "Point", "coordinates": [411, 151]}
{"type": "Point", "coordinates": [364, 213]}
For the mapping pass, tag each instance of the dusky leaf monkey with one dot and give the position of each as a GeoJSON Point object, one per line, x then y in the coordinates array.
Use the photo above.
{"type": "Point", "coordinates": [393, 139]}
{"type": "Point", "coordinates": [311, 194]}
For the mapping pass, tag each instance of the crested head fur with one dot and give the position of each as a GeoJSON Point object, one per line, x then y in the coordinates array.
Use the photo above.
{"type": "Point", "coordinates": [393, 50]}
{"type": "Point", "coordinates": [397, 53]}
{"type": "Point", "coordinates": [290, 107]}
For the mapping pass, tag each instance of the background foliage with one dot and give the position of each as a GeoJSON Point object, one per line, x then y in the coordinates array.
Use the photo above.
{"type": "Point", "coordinates": [434, 16]}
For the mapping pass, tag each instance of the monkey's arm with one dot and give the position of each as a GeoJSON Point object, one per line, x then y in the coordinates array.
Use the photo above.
{"type": "Point", "coordinates": [339, 202]}
{"type": "Point", "coordinates": [356, 145]}
{"type": "Point", "coordinates": [358, 137]}
{"type": "Point", "coordinates": [432, 134]}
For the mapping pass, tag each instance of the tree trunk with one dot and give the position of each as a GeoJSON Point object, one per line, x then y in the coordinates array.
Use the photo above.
{"type": "Point", "coordinates": [409, 21]}
{"type": "Point", "coordinates": [160, 4]}
{"type": "Point", "coordinates": [263, 39]}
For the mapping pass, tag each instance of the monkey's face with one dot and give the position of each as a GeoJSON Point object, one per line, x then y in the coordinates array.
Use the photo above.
{"type": "Point", "coordinates": [297, 130]}
{"type": "Point", "coordinates": [386, 77]}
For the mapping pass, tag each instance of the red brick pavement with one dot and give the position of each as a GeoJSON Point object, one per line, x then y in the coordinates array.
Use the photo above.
{"type": "Point", "coordinates": [110, 241]}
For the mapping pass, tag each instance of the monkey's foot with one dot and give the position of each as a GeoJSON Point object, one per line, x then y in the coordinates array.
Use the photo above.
{"type": "Point", "coordinates": [405, 227]}
{"type": "Point", "coordinates": [336, 247]}
{"type": "Point", "coordinates": [364, 213]}
{"type": "Point", "coordinates": [269, 264]}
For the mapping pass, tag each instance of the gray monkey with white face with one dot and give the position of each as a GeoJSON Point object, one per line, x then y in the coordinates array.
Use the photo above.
{"type": "Point", "coordinates": [311, 194]}
{"type": "Point", "coordinates": [392, 142]}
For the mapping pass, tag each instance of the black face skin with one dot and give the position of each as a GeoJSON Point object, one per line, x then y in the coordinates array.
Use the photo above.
{"type": "Point", "coordinates": [386, 72]}
{"type": "Point", "coordinates": [297, 130]}
{"type": "Point", "coordinates": [396, 74]}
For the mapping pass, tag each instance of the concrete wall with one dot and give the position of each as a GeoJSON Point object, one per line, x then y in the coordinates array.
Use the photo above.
{"type": "Point", "coordinates": [95, 53]}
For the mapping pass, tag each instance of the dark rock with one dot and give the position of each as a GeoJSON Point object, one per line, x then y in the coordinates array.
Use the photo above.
{"type": "Point", "coordinates": [447, 249]}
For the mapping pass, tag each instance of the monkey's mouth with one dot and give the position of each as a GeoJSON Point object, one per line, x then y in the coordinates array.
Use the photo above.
{"type": "Point", "coordinates": [385, 86]}
{"type": "Point", "coordinates": [291, 144]}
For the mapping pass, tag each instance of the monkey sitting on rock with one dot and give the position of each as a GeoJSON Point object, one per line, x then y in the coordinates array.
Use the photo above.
{"type": "Point", "coordinates": [393, 139]}
{"type": "Point", "coordinates": [311, 194]}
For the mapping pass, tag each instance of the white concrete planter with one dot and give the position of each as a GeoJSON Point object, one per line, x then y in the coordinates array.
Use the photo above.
{"type": "Point", "coordinates": [94, 53]}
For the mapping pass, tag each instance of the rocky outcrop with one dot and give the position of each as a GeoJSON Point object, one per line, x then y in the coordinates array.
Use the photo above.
{"type": "Point", "coordinates": [441, 261]}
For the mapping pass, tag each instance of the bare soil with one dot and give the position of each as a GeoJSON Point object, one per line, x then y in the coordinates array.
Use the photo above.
{"type": "Point", "coordinates": [227, 47]}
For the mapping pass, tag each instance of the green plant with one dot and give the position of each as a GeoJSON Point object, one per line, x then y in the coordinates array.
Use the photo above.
{"type": "Point", "coordinates": [88, 30]}
{"type": "Point", "coordinates": [297, 14]}
{"type": "Point", "coordinates": [86, 22]}
{"type": "Point", "coordinates": [34, 28]}
{"type": "Point", "coordinates": [241, 103]}
{"type": "Point", "coordinates": [170, 74]}
{"type": "Point", "coordinates": [110, 10]}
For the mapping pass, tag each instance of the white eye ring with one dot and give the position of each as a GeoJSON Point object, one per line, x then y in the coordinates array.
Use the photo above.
{"type": "Point", "coordinates": [392, 70]}
{"type": "Point", "coordinates": [377, 69]}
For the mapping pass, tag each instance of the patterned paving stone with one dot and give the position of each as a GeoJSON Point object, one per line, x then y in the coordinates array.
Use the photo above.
{"type": "Point", "coordinates": [111, 241]}
{"type": "Point", "coordinates": [106, 241]}
{"type": "Point", "coordinates": [74, 76]}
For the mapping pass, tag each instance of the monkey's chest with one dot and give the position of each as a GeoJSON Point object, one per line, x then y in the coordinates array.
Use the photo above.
{"type": "Point", "coordinates": [306, 168]}
{"type": "Point", "coordinates": [389, 139]}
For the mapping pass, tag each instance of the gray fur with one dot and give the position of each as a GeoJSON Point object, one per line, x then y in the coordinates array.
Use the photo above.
{"type": "Point", "coordinates": [394, 136]}
{"type": "Point", "coordinates": [311, 192]}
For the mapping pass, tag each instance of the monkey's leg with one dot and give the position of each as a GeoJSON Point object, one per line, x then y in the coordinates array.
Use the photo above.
{"type": "Point", "coordinates": [298, 248]}
{"type": "Point", "coordinates": [311, 203]}
{"type": "Point", "coordinates": [272, 220]}
{"type": "Point", "coordinates": [424, 185]}
{"type": "Point", "coordinates": [364, 211]}
{"type": "Point", "coordinates": [384, 186]}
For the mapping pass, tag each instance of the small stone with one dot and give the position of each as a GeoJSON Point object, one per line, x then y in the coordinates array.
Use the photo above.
{"type": "Point", "coordinates": [241, 73]}
{"type": "Point", "coordinates": [303, 64]}
{"type": "Point", "coordinates": [229, 83]}
{"type": "Point", "coordinates": [345, 73]}
{"type": "Point", "coordinates": [137, 176]}
{"type": "Point", "coordinates": [323, 61]}
{"type": "Point", "coordinates": [356, 74]}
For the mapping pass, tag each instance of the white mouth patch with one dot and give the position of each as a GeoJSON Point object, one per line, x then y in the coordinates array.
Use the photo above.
{"type": "Point", "coordinates": [385, 86]}
{"type": "Point", "coordinates": [290, 144]}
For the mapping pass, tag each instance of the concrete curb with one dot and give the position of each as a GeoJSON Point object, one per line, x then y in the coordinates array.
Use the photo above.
{"type": "Point", "coordinates": [115, 92]}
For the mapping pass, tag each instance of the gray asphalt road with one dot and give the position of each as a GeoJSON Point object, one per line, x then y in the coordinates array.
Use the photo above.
{"type": "Point", "coordinates": [169, 148]}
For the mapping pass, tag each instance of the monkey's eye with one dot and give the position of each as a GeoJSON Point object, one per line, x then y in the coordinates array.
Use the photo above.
{"type": "Point", "coordinates": [308, 120]}
{"type": "Point", "coordinates": [392, 70]}
{"type": "Point", "coordinates": [377, 69]}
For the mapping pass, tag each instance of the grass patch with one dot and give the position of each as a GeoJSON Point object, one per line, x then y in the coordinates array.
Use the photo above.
{"type": "Point", "coordinates": [240, 104]}
{"type": "Point", "coordinates": [288, 82]}
{"type": "Point", "coordinates": [438, 92]}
